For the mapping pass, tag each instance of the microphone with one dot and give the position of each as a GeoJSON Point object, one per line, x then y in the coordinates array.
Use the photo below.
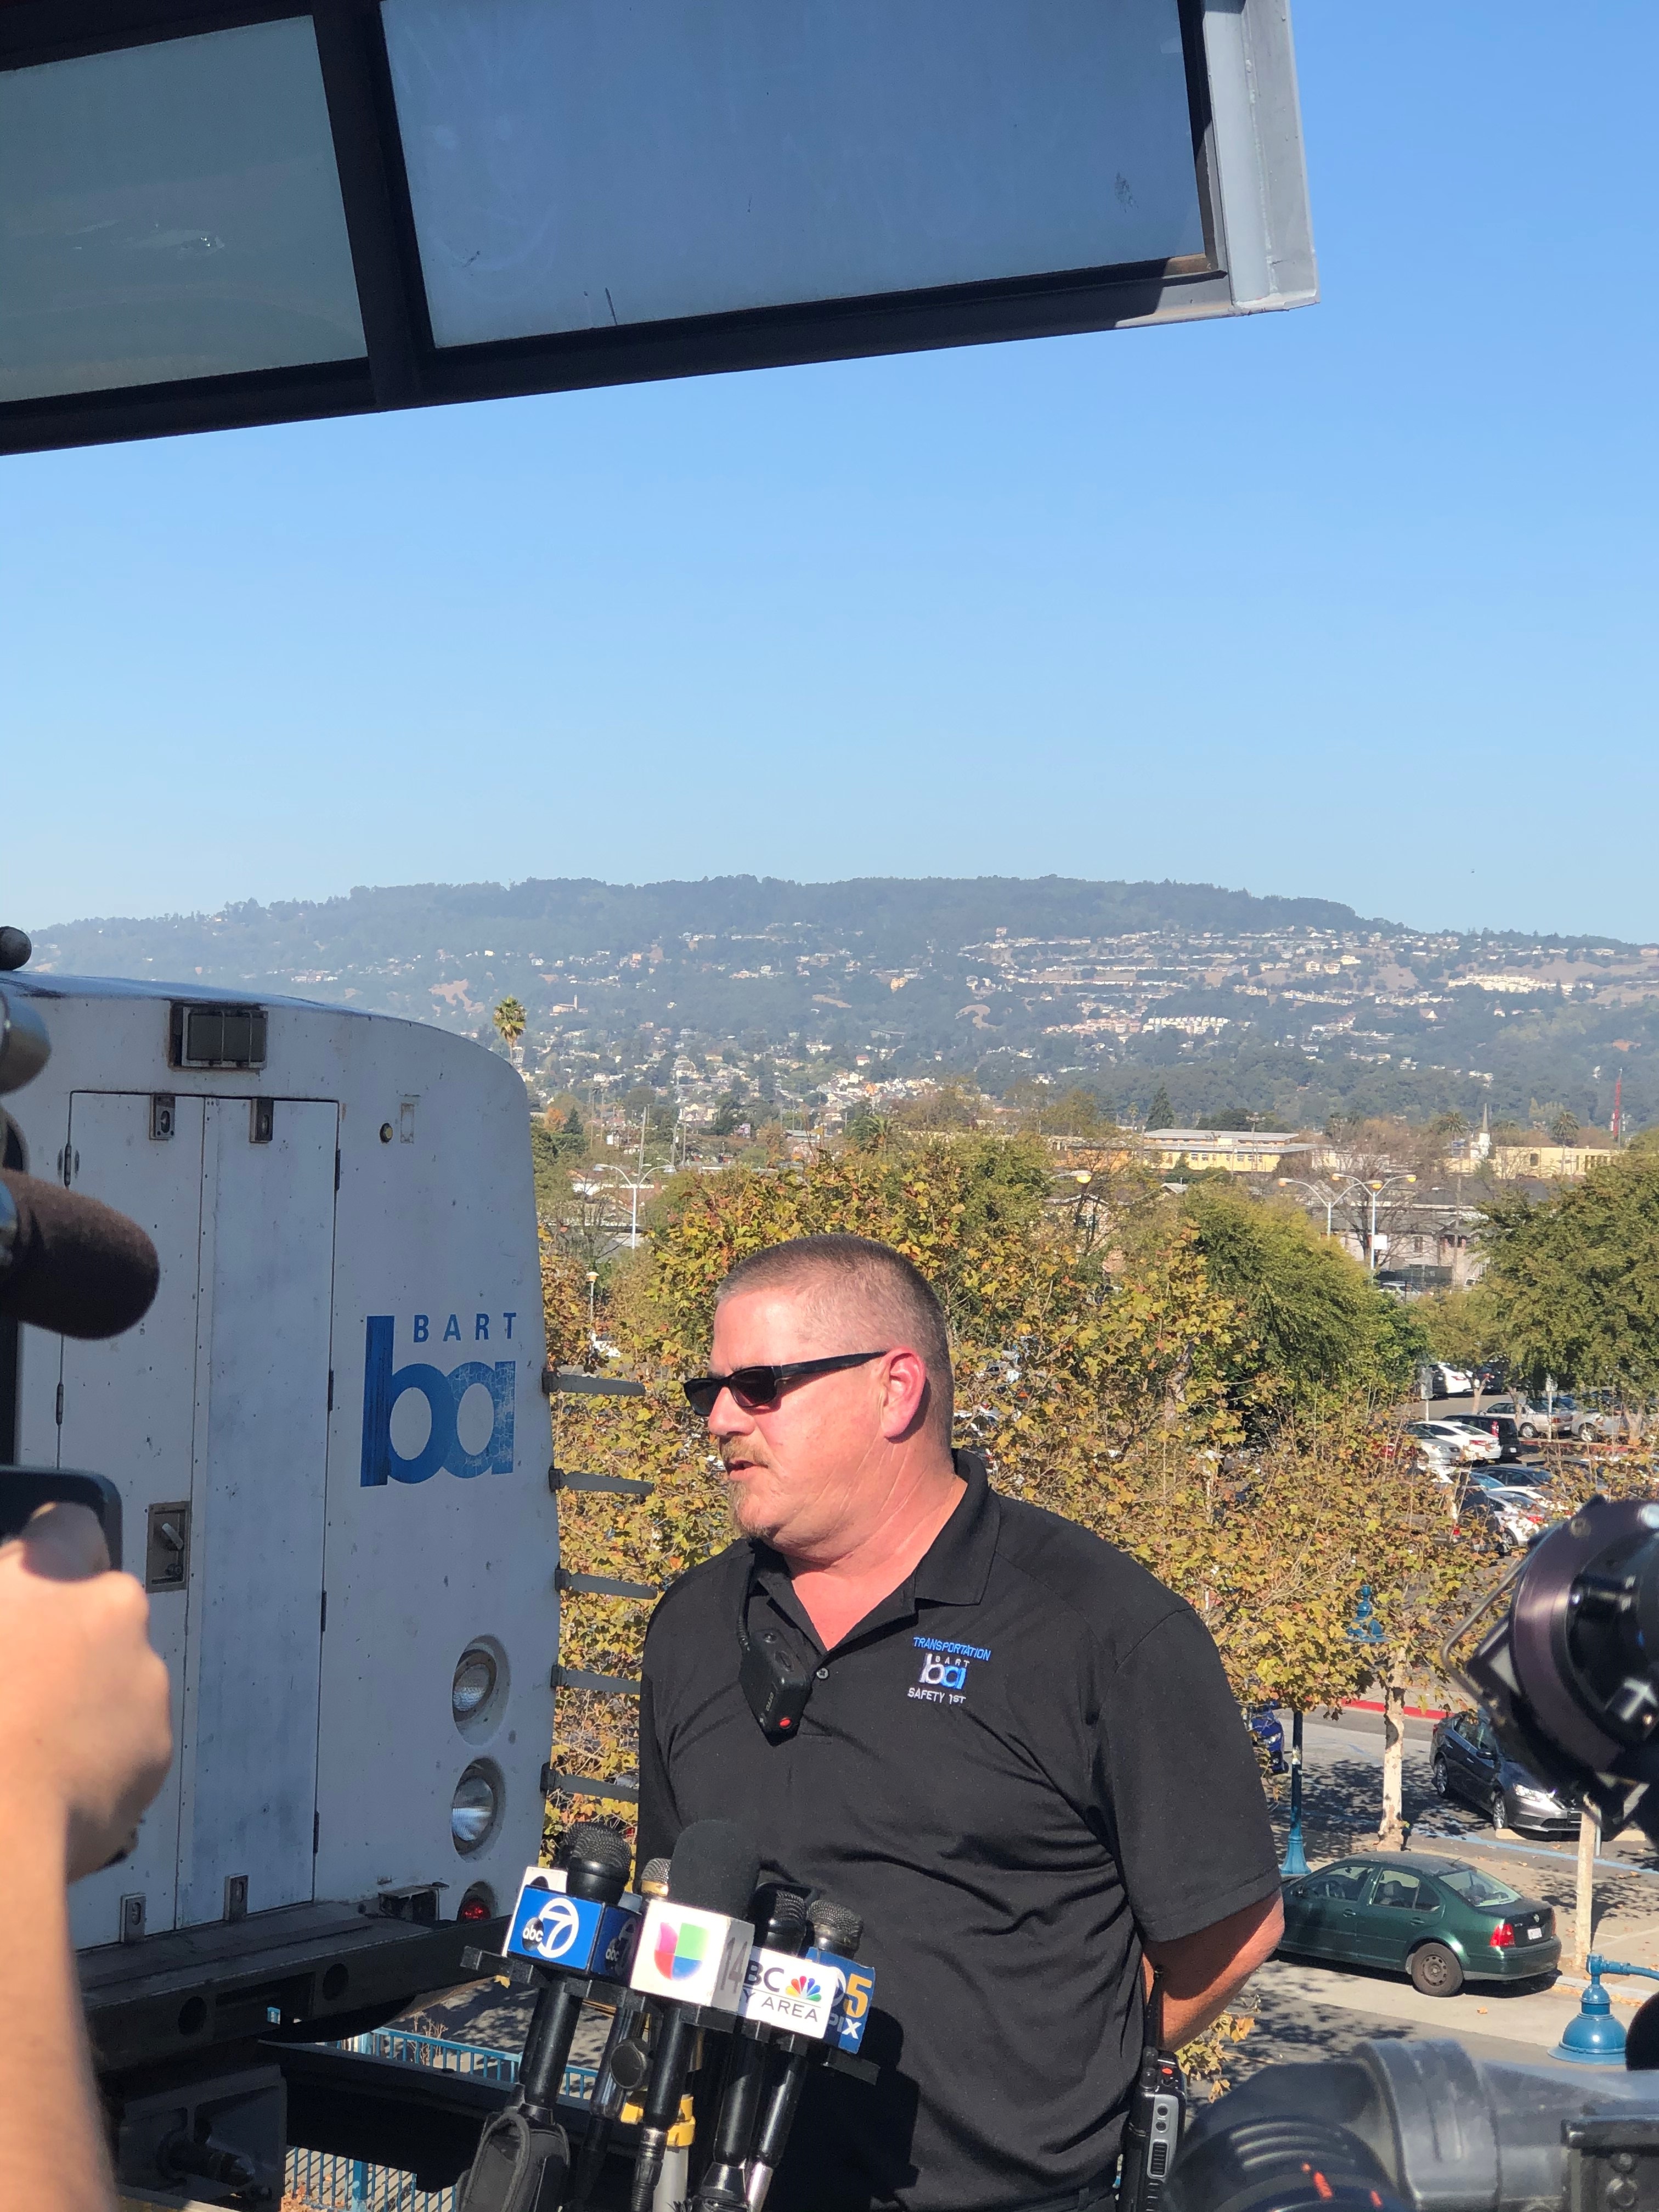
{"type": "Point", "coordinates": [623, 2064]}
{"type": "Point", "coordinates": [577, 1944]}
{"type": "Point", "coordinates": [836, 1934]}
{"type": "Point", "coordinates": [69, 1263]}
{"type": "Point", "coordinates": [780, 1926]}
{"type": "Point", "coordinates": [839, 1933]}
{"type": "Point", "coordinates": [570, 1934]}
{"type": "Point", "coordinates": [693, 1952]}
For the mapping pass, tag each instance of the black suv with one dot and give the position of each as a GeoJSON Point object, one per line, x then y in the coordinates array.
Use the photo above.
{"type": "Point", "coordinates": [1469, 1764]}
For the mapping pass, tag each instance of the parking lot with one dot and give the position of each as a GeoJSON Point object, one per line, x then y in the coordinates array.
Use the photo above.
{"type": "Point", "coordinates": [1308, 2011]}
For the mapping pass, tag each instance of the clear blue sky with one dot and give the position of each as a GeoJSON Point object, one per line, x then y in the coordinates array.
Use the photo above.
{"type": "Point", "coordinates": [1357, 601]}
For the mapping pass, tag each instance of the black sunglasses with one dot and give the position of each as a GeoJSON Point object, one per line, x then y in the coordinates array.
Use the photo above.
{"type": "Point", "coordinates": [757, 1390]}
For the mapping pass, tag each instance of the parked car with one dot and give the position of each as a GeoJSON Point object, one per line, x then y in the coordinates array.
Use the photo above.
{"type": "Point", "coordinates": [1268, 1730]}
{"type": "Point", "coordinates": [1468, 1762]}
{"type": "Point", "coordinates": [1513, 1513]}
{"type": "Point", "coordinates": [1450, 1381]}
{"type": "Point", "coordinates": [1529, 1497]}
{"type": "Point", "coordinates": [1459, 1443]}
{"type": "Point", "coordinates": [1502, 1427]}
{"type": "Point", "coordinates": [1493, 1375]}
{"type": "Point", "coordinates": [1443, 1923]}
{"type": "Point", "coordinates": [1533, 1421]}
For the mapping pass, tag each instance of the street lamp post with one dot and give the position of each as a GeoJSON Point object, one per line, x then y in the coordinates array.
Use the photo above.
{"type": "Point", "coordinates": [1296, 1858]}
{"type": "Point", "coordinates": [1378, 1190]}
{"type": "Point", "coordinates": [1327, 1198]}
{"type": "Point", "coordinates": [1330, 1200]}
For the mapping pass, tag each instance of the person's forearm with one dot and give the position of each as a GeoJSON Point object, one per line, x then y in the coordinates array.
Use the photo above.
{"type": "Point", "coordinates": [1199, 1976]}
{"type": "Point", "coordinates": [51, 2146]}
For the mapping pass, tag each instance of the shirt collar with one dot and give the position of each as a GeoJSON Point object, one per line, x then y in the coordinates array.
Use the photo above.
{"type": "Point", "coordinates": [957, 1566]}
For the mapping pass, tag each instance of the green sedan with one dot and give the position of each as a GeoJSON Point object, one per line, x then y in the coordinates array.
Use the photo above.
{"type": "Point", "coordinates": [1441, 1922]}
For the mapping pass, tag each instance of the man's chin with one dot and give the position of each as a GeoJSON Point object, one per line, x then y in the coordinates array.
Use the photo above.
{"type": "Point", "coordinates": [755, 1516]}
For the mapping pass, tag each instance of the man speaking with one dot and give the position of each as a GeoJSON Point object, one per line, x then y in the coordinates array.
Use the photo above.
{"type": "Point", "coordinates": [1017, 1757]}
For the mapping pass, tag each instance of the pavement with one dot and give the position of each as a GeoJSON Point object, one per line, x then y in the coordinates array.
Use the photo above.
{"type": "Point", "coordinates": [1303, 2011]}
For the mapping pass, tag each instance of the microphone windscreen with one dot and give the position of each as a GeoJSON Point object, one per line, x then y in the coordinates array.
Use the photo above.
{"type": "Point", "coordinates": [654, 1877]}
{"type": "Point", "coordinates": [835, 1927]}
{"type": "Point", "coordinates": [77, 1265]}
{"type": "Point", "coordinates": [714, 1868]}
{"type": "Point", "coordinates": [597, 1849]}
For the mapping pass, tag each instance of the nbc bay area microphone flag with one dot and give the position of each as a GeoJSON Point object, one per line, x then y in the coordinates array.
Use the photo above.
{"type": "Point", "coordinates": [783, 1990]}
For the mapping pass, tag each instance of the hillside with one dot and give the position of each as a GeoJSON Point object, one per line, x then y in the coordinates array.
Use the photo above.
{"type": "Point", "coordinates": [1292, 1008]}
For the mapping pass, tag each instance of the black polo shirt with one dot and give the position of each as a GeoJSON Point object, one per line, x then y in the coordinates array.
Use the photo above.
{"type": "Point", "coordinates": [1024, 1759]}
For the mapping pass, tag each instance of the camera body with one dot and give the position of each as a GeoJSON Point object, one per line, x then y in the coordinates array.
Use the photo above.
{"type": "Point", "coordinates": [330, 1438]}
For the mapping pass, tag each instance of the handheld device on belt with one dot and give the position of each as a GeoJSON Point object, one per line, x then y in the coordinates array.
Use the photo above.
{"type": "Point", "coordinates": [1158, 2109]}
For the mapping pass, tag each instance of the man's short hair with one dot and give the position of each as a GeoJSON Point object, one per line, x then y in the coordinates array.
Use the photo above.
{"type": "Point", "coordinates": [854, 1274]}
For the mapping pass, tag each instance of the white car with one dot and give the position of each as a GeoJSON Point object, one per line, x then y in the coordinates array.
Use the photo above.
{"type": "Point", "coordinates": [1467, 1447]}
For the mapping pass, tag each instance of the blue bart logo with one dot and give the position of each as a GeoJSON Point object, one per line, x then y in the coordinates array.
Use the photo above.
{"type": "Point", "coordinates": [383, 1385]}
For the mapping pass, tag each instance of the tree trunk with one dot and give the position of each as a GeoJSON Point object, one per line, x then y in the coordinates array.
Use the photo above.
{"type": "Point", "coordinates": [1583, 1911]}
{"type": "Point", "coordinates": [1391, 1834]}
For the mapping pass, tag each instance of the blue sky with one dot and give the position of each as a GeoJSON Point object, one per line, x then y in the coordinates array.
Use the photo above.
{"type": "Point", "coordinates": [1357, 601]}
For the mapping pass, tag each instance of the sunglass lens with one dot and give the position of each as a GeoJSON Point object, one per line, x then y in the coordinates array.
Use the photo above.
{"type": "Point", "coordinates": [700, 1394]}
{"type": "Point", "coordinates": [754, 1388]}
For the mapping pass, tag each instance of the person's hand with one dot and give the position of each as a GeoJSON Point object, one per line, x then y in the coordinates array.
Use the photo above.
{"type": "Point", "coordinates": [85, 1734]}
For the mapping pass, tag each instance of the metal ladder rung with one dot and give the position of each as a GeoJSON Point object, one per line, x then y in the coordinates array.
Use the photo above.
{"type": "Point", "coordinates": [602, 1586]}
{"type": "Point", "coordinates": [608, 1686]}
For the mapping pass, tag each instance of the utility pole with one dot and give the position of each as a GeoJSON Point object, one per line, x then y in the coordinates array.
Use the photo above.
{"type": "Point", "coordinates": [1583, 1903]}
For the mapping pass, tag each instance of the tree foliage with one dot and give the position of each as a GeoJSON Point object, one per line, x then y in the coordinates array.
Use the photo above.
{"type": "Point", "coordinates": [1317, 1327]}
{"type": "Point", "coordinates": [1574, 1279]}
{"type": "Point", "coordinates": [1118, 1359]}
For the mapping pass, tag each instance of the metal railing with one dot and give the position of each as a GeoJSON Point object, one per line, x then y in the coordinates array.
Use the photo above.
{"type": "Point", "coordinates": [319, 2181]}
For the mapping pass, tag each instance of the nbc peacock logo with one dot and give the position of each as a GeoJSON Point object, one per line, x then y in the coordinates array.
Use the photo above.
{"type": "Point", "coordinates": [680, 1951]}
{"type": "Point", "coordinates": [805, 1989]}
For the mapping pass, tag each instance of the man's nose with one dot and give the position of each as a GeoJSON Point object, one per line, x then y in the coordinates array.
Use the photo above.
{"type": "Point", "coordinates": [727, 1418]}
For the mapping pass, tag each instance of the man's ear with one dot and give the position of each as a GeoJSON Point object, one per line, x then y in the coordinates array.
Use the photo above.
{"type": "Point", "coordinates": [907, 1391]}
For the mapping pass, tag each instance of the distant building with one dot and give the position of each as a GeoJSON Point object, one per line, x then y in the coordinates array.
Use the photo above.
{"type": "Point", "coordinates": [1237, 1151]}
{"type": "Point", "coordinates": [1542, 1157]}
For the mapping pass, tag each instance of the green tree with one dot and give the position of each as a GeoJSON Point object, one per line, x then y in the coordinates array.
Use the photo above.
{"type": "Point", "coordinates": [1460, 1325]}
{"type": "Point", "coordinates": [1160, 1115]}
{"type": "Point", "coordinates": [1574, 1279]}
{"type": "Point", "coordinates": [1564, 1128]}
{"type": "Point", "coordinates": [509, 1020]}
{"type": "Point", "coordinates": [1315, 1324]}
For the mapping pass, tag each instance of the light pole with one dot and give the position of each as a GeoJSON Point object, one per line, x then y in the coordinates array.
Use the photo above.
{"type": "Point", "coordinates": [1377, 1189]}
{"type": "Point", "coordinates": [1327, 1198]}
{"type": "Point", "coordinates": [1345, 1188]}
{"type": "Point", "coordinates": [635, 1184]}
{"type": "Point", "coordinates": [1296, 1858]}
{"type": "Point", "coordinates": [592, 1280]}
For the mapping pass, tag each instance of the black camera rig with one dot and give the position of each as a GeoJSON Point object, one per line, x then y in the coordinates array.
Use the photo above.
{"type": "Point", "coordinates": [1569, 1675]}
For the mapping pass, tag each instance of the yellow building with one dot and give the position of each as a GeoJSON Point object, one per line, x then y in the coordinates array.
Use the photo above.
{"type": "Point", "coordinates": [1237, 1151]}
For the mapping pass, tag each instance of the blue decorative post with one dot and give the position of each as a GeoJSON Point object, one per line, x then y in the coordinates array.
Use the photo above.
{"type": "Point", "coordinates": [359, 2183]}
{"type": "Point", "coordinates": [1295, 1859]}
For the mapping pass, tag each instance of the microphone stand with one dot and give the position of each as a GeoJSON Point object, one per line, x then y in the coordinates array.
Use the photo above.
{"type": "Point", "coordinates": [781, 1926]}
